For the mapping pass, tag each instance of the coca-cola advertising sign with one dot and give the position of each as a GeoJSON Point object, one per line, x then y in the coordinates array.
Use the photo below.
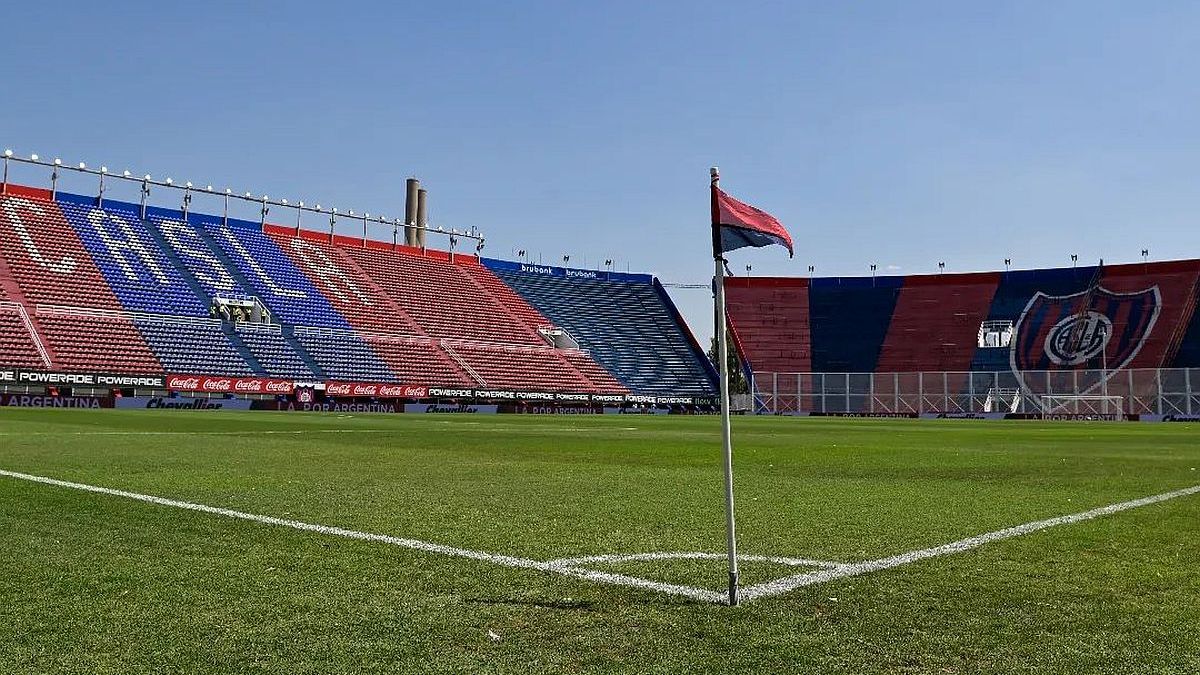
{"type": "Point", "coordinates": [374, 390]}
{"type": "Point", "coordinates": [229, 385]}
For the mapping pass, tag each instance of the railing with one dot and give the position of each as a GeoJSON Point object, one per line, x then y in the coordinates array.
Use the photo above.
{"type": "Point", "coordinates": [29, 327]}
{"type": "Point", "coordinates": [99, 313]}
{"type": "Point", "coordinates": [325, 331]}
{"type": "Point", "coordinates": [462, 364]}
{"type": "Point", "coordinates": [1166, 391]}
{"type": "Point", "coordinates": [270, 328]}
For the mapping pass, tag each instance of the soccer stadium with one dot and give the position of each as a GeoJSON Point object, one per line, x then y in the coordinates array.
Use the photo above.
{"type": "Point", "coordinates": [169, 301]}
{"type": "Point", "coordinates": [247, 434]}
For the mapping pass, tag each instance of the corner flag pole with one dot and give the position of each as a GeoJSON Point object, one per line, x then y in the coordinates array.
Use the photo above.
{"type": "Point", "coordinates": [723, 356]}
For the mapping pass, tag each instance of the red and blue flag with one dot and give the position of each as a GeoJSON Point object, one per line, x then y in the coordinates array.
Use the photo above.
{"type": "Point", "coordinates": [736, 225]}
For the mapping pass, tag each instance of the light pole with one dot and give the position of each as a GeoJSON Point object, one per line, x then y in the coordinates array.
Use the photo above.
{"type": "Point", "coordinates": [54, 179]}
{"type": "Point", "coordinates": [100, 193]}
{"type": "Point", "coordinates": [1008, 264]}
{"type": "Point", "coordinates": [4, 189]}
{"type": "Point", "coordinates": [187, 201]}
{"type": "Point", "coordinates": [145, 193]}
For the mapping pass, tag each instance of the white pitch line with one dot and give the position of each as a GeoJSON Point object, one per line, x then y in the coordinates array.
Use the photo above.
{"type": "Point", "coordinates": [415, 544]}
{"type": "Point", "coordinates": [609, 558]}
{"type": "Point", "coordinates": [568, 566]}
{"type": "Point", "coordinates": [791, 583]}
{"type": "Point", "coordinates": [246, 432]}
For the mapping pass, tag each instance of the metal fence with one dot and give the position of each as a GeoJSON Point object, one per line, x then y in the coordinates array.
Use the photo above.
{"type": "Point", "coordinates": [1145, 392]}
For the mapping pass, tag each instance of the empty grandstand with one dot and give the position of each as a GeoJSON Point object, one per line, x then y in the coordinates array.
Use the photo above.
{"type": "Point", "coordinates": [106, 286]}
{"type": "Point", "coordinates": [963, 343]}
{"type": "Point", "coordinates": [625, 320]}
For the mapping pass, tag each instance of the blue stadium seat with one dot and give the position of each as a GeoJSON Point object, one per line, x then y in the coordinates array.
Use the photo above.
{"type": "Point", "coordinates": [344, 356]}
{"type": "Point", "coordinates": [275, 279]}
{"type": "Point", "coordinates": [273, 351]}
{"type": "Point", "coordinates": [185, 245]}
{"type": "Point", "coordinates": [199, 348]}
{"type": "Point", "coordinates": [625, 325]}
{"type": "Point", "coordinates": [132, 262]}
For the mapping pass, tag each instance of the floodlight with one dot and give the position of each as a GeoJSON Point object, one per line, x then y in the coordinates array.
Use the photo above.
{"type": "Point", "coordinates": [34, 157]}
{"type": "Point", "coordinates": [284, 202]}
{"type": "Point", "coordinates": [351, 212]}
{"type": "Point", "coordinates": [169, 181]}
{"type": "Point", "coordinates": [8, 153]}
{"type": "Point", "coordinates": [57, 162]}
{"type": "Point", "coordinates": [265, 198]}
{"type": "Point", "coordinates": [208, 188]}
{"type": "Point", "coordinates": [104, 169]}
{"type": "Point", "coordinates": [248, 195]}
{"type": "Point", "coordinates": [189, 183]}
{"type": "Point", "coordinates": [228, 191]}
{"type": "Point", "coordinates": [301, 204]}
{"type": "Point", "coordinates": [82, 165]}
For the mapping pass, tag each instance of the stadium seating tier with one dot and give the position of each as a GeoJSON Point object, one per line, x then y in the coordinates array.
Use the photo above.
{"type": "Point", "coordinates": [110, 290]}
{"type": "Point", "coordinates": [931, 323]}
{"type": "Point", "coordinates": [625, 324]}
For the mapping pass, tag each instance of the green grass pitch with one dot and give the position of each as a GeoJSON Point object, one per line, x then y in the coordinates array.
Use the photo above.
{"type": "Point", "coordinates": [96, 583]}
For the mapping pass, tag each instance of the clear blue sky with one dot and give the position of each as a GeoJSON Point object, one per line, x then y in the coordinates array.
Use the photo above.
{"type": "Point", "coordinates": [900, 133]}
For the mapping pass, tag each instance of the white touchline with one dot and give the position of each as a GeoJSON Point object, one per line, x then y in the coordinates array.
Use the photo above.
{"type": "Point", "coordinates": [791, 583]}
{"type": "Point", "coordinates": [416, 544]}
{"type": "Point", "coordinates": [829, 571]}
{"type": "Point", "coordinates": [247, 432]}
{"type": "Point", "coordinates": [610, 558]}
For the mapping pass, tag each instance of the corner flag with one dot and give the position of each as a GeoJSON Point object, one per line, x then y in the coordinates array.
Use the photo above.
{"type": "Point", "coordinates": [734, 225]}
{"type": "Point", "coordinates": [739, 225]}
